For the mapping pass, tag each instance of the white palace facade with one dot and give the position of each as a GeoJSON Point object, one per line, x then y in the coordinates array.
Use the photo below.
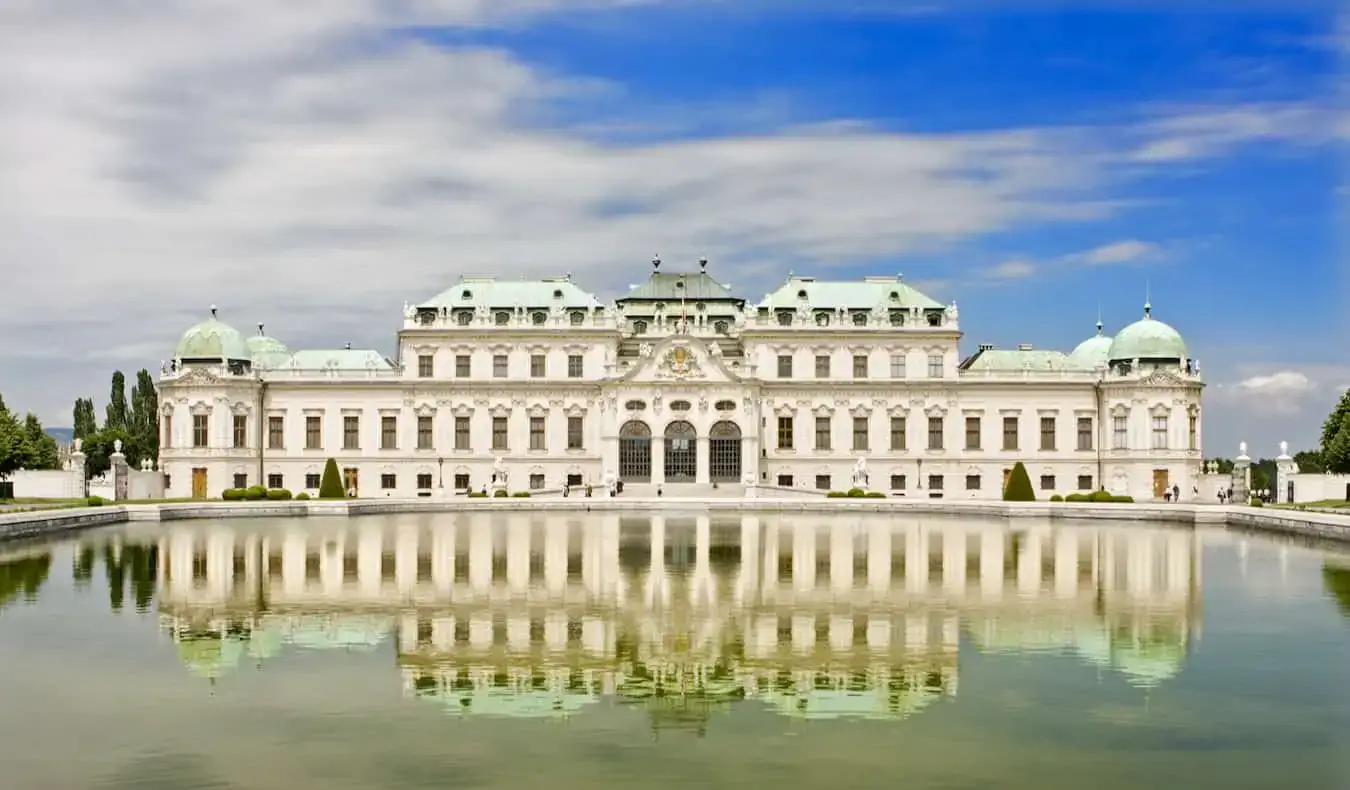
{"type": "Point", "coordinates": [680, 382]}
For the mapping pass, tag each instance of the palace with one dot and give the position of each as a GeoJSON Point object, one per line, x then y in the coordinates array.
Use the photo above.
{"type": "Point", "coordinates": [681, 382]}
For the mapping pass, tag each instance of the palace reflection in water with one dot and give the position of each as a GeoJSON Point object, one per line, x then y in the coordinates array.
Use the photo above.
{"type": "Point", "coordinates": [525, 615]}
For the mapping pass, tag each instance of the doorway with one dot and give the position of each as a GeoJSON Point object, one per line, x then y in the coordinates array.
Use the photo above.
{"type": "Point", "coordinates": [635, 452]}
{"type": "Point", "coordinates": [1160, 483]}
{"type": "Point", "coordinates": [681, 460]}
{"type": "Point", "coordinates": [199, 483]}
{"type": "Point", "coordinates": [351, 481]}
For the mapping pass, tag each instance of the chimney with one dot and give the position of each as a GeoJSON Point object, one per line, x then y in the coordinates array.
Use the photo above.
{"type": "Point", "coordinates": [1023, 346]}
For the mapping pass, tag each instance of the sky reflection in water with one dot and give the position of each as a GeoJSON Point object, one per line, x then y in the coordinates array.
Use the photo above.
{"type": "Point", "coordinates": [523, 651]}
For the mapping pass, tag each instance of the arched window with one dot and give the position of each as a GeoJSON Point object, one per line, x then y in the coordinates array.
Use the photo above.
{"type": "Point", "coordinates": [784, 318]}
{"type": "Point", "coordinates": [635, 405]}
{"type": "Point", "coordinates": [538, 319]}
{"type": "Point", "coordinates": [681, 454]}
{"type": "Point", "coordinates": [463, 318]}
{"type": "Point", "coordinates": [578, 318]}
{"type": "Point", "coordinates": [822, 318]}
{"type": "Point", "coordinates": [680, 405]}
{"type": "Point", "coordinates": [724, 452]}
{"type": "Point", "coordinates": [859, 317]}
{"type": "Point", "coordinates": [720, 327]}
{"type": "Point", "coordinates": [639, 327]}
{"type": "Point", "coordinates": [502, 318]}
{"type": "Point", "coordinates": [466, 294]}
{"type": "Point", "coordinates": [635, 452]}
{"type": "Point", "coordinates": [935, 319]}
{"type": "Point", "coordinates": [897, 318]}
{"type": "Point", "coordinates": [725, 405]}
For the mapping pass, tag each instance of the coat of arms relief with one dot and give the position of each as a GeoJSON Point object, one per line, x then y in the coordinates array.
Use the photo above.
{"type": "Point", "coordinates": [680, 363]}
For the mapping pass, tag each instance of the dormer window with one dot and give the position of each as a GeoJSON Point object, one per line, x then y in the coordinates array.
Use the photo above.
{"type": "Point", "coordinates": [801, 294]}
{"type": "Point", "coordinates": [639, 327]}
{"type": "Point", "coordinates": [895, 296]}
{"type": "Point", "coordinates": [700, 307]}
{"type": "Point", "coordinates": [784, 318]}
{"type": "Point", "coordinates": [426, 317]}
{"type": "Point", "coordinates": [466, 294]}
{"type": "Point", "coordinates": [577, 317]}
{"type": "Point", "coordinates": [822, 319]}
{"type": "Point", "coordinates": [463, 318]}
{"type": "Point", "coordinates": [538, 319]}
{"type": "Point", "coordinates": [935, 319]}
{"type": "Point", "coordinates": [860, 318]}
{"type": "Point", "coordinates": [720, 327]}
{"type": "Point", "coordinates": [897, 317]}
{"type": "Point", "coordinates": [679, 285]}
{"type": "Point", "coordinates": [502, 318]}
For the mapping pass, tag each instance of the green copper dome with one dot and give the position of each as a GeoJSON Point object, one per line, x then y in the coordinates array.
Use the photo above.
{"type": "Point", "coordinates": [1147, 339]}
{"type": "Point", "coordinates": [1093, 352]}
{"type": "Point", "coordinates": [212, 339]}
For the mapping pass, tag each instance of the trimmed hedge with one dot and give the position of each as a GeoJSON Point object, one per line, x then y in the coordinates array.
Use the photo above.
{"type": "Point", "coordinates": [330, 485]}
{"type": "Point", "coordinates": [278, 493]}
{"type": "Point", "coordinates": [301, 496]}
{"type": "Point", "coordinates": [500, 494]}
{"type": "Point", "coordinates": [95, 501]}
{"type": "Point", "coordinates": [855, 493]}
{"type": "Point", "coordinates": [477, 495]}
{"type": "Point", "coordinates": [1019, 485]}
{"type": "Point", "coordinates": [521, 494]}
{"type": "Point", "coordinates": [1056, 498]}
{"type": "Point", "coordinates": [1256, 502]}
{"type": "Point", "coordinates": [1099, 496]}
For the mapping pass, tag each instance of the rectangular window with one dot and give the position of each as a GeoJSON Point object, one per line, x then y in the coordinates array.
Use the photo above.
{"type": "Point", "coordinates": [935, 483]}
{"type": "Point", "coordinates": [934, 433]}
{"type": "Point", "coordinates": [463, 366]}
{"type": "Point", "coordinates": [1048, 434]}
{"type": "Point", "coordinates": [499, 441]}
{"type": "Point", "coordinates": [312, 480]}
{"type": "Point", "coordinates": [538, 366]}
{"type": "Point", "coordinates": [1047, 482]}
{"type": "Point", "coordinates": [536, 481]}
{"type": "Point", "coordinates": [785, 481]}
{"type": "Point", "coordinates": [461, 433]}
{"type": "Point", "coordinates": [313, 433]}
{"type": "Point", "coordinates": [575, 433]}
{"type": "Point", "coordinates": [1084, 433]}
{"type": "Point", "coordinates": [240, 480]}
{"type": "Point", "coordinates": [1010, 433]}
{"type": "Point", "coordinates": [1119, 432]}
{"type": "Point", "coordinates": [275, 481]}
{"type": "Point", "coordinates": [897, 482]}
{"type": "Point", "coordinates": [784, 433]}
{"type": "Point", "coordinates": [276, 434]}
{"type": "Point", "coordinates": [576, 366]}
{"type": "Point", "coordinates": [537, 430]}
{"type": "Point", "coordinates": [499, 366]}
{"type": "Point", "coordinates": [240, 431]}
{"type": "Point", "coordinates": [972, 433]}
{"type": "Point", "coordinates": [935, 366]}
{"type": "Point", "coordinates": [461, 481]}
{"type": "Point", "coordinates": [859, 366]}
{"type": "Point", "coordinates": [822, 366]}
{"type": "Point", "coordinates": [388, 432]}
{"type": "Point", "coordinates": [784, 366]}
{"type": "Point", "coordinates": [1085, 482]}
{"type": "Point", "coordinates": [860, 431]}
{"type": "Point", "coordinates": [200, 429]}
{"type": "Point", "coordinates": [166, 431]}
{"type": "Point", "coordinates": [823, 482]}
{"type": "Point", "coordinates": [972, 482]}
{"type": "Point", "coordinates": [423, 481]}
{"type": "Point", "coordinates": [897, 366]}
{"type": "Point", "coordinates": [823, 433]}
{"type": "Point", "coordinates": [351, 432]}
{"type": "Point", "coordinates": [1192, 431]}
{"type": "Point", "coordinates": [898, 442]}
{"type": "Point", "coordinates": [388, 482]}
{"type": "Point", "coordinates": [1160, 432]}
{"type": "Point", "coordinates": [426, 366]}
{"type": "Point", "coordinates": [425, 434]}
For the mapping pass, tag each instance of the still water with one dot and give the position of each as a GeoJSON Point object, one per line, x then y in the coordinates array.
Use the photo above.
{"type": "Point", "coordinates": [672, 650]}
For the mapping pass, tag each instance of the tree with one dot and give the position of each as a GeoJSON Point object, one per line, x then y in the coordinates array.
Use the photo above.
{"type": "Point", "coordinates": [98, 450]}
{"type": "Point", "coordinates": [85, 423]}
{"type": "Point", "coordinates": [40, 448]}
{"type": "Point", "coordinates": [330, 485]}
{"type": "Point", "coordinates": [1019, 485]}
{"type": "Point", "coordinates": [1336, 439]}
{"type": "Point", "coordinates": [117, 414]}
{"type": "Point", "coordinates": [143, 424]}
{"type": "Point", "coordinates": [13, 443]}
{"type": "Point", "coordinates": [1309, 462]}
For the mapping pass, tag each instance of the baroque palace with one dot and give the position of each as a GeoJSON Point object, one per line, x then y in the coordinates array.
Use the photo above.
{"type": "Point", "coordinates": [680, 381]}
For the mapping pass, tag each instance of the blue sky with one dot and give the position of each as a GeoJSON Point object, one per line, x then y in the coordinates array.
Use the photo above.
{"type": "Point", "coordinates": [1066, 156]}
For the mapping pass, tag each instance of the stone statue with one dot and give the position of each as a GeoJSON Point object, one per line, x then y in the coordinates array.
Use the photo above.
{"type": "Point", "coordinates": [117, 446]}
{"type": "Point", "coordinates": [498, 470]}
{"type": "Point", "coordinates": [1242, 448]}
{"type": "Point", "coordinates": [741, 318]}
{"type": "Point", "coordinates": [1284, 449]}
{"type": "Point", "coordinates": [78, 444]}
{"type": "Point", "coordinates": [860, 473]}
{"type": "Point", "coordinates": [645, 350]}
{"type": "Point", "coordinates": [481, 312]}
{"type": "Point", "coordinates": [409, 311]}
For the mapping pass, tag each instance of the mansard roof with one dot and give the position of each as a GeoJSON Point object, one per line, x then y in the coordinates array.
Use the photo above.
{"type": "Point", "coordinates": [674, 286]}
{"type": "Point", "coordinates": [869, 293]}
{"type": "Point", "coordinates": [487, 291]}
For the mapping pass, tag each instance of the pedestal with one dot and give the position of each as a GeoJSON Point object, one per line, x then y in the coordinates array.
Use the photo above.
{"type": "Point", "coordinates": [121, 475]}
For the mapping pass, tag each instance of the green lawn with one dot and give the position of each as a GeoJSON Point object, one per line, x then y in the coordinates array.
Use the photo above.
{"type": "Point", "coordinates": [1328, 503]}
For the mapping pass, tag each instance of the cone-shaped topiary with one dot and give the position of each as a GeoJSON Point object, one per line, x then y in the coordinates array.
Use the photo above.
{"type": "Point", "coordinates": [1019, 486]}
{"type": "Point", "coordinates": [330, 485]}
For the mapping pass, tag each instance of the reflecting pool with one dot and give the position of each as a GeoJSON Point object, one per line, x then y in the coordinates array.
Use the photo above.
{"type": "Point", "coordinates": [597, 651]}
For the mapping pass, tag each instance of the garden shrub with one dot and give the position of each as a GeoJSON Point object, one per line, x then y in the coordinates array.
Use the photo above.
{"type": "Point", "coordinates": [836, 495]}
{"type": "Point", "coordinates": [1256, 502]}
{"type": "Point", "coordinates": [301, 496]}
{"type": "Point", "coordinates": [875, 495]}
{"type": "Point", "coordinates": [856, 492]}
{"type": "Point", "coordinates": [330, 485]}
{"type": "Point", "coordinates": [1019, 485]}
{"type": "Point", "coordinates": [500, 494]}
{"type": "Point", "coordinates": [232, 494]}
{"type": "Point", "coordinates": [522, 494]}
{"type": "Point", "coordinates": [477, 495]}
{"type": "Point", "coordinates": [1102, 496]}
{"type": "Point", "coordinates": [96, 501]}
{"type": "Point", "coordinates": [254, 493]}
{"type": "Point", "coordinates": [1056, 498]}
{"type": "Point", "coordinates": [278, 493]}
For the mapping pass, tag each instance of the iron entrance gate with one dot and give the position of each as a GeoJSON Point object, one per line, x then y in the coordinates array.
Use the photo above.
{"type": "Point", "coordinates": [635, 452]}
{"type": "Point", "coordinates": [681, 454]}
{"type": "Point", "coordinates": [724, 452]}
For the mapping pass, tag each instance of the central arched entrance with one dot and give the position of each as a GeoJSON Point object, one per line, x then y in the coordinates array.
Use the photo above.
{"type": "Point", "coordinates": [724, 452]}
{"type": "Point", "coordinates": [681, 452]}
{"type": "Point", "coordinates": [635, 452]}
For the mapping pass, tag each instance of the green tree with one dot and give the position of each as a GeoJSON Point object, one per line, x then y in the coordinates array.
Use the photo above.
{"type": "Point", "coordinates": [1309, 462]}
{"type": "Point", "coordinates": [117, 416]}
{"type": "Point", "coordinates": [85, 423]}
{"type": "Point", "coordinates": [330, 485]}
{"type": "Point", "coordinates": [13, 443]}
{"type": "Point", "coordinates": [143, 424]}
{"type": "Point", "coordinates": [1335, 450]}
{"type": "Point", "coordinates": [1019, 485]}
{"type": "Point", "coordinates": [98, 450]}
{"type": "Point", "coordinates": [41, 448]}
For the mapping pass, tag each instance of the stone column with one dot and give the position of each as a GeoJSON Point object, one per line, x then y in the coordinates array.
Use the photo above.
{"type": "Point", "coordinates": [658, 460]}
{"type": "Point", "coordinates": [121, 472]}
{"type": "Point", "coordinates": [702, 459]}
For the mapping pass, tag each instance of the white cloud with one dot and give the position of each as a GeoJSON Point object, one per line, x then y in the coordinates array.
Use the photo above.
{"type": "Point", "coordinates": [1014, 269]}
{"type": "Point", "coordinates": [1118, 252]}
{"type": "Point", "coordinates": [311, 165]}
{"type": "Point", "coordinates": [1284, 382]}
